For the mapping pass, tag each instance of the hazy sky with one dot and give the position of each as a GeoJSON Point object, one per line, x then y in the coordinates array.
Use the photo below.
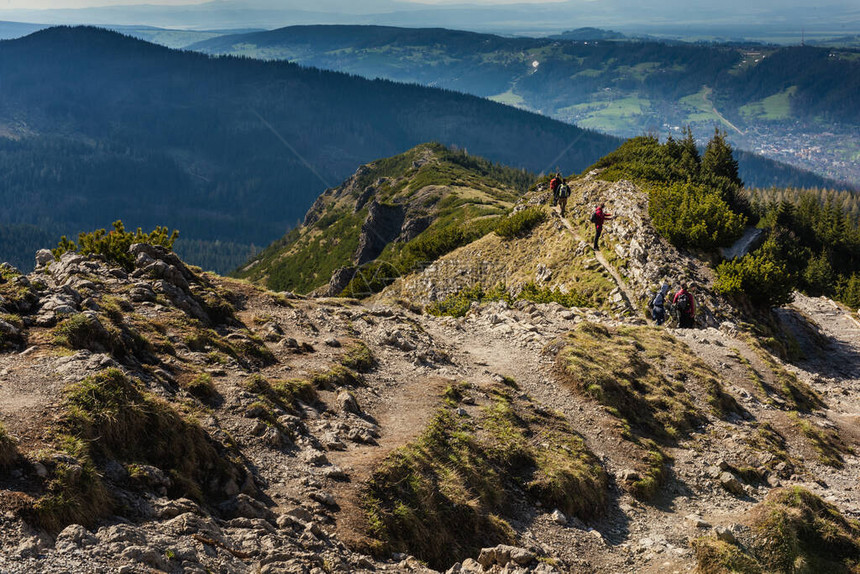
{"type": "Point", "coordinates": [49, 4]}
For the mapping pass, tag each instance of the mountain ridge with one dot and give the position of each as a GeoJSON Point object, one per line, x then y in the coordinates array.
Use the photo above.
{"type": "Point", "coordinates": [297, 432]}
{"type": "Point", "coordinates": [771, 98]}
{"type": "Point", "coordinates": [198, 141]}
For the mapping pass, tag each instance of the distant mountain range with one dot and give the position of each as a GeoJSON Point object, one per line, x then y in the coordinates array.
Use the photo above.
{"type": "Point", "coordinates": [783, 101]}
{"type": "Point", "coordinates": [97, 126]}
{"type": "Point", "coordinates": [727, 20]}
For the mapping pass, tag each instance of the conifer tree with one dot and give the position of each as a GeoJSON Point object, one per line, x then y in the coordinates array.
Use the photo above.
{"type": "Point", "coordinates": [718, 159]}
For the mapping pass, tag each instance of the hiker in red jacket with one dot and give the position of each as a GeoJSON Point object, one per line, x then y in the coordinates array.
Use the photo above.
{"type": "Point", "coordinates": [597, 218]}
{"type": "Point", "coordinates": [554, 184]}
{"type": "Point", "coordinates": [686, 306]}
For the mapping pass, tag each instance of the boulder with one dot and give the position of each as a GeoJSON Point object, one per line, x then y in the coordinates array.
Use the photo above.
{"type": "Point", "coordinates": [347, 403]}
{"type": "Point", "coordinates": [43, 257]}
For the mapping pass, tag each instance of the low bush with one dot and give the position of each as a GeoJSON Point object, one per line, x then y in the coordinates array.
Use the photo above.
{"type": "Point", "coordinates": [757, 278]}
{"type": "Point", "coordinates": [113, 245]}
{"type": "Point", "coordinates": [693, 216]}
{"type": "Point", "coordinates": [520, 223]}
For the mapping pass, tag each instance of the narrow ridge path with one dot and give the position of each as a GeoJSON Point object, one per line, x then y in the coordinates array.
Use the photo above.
{"type": "Point", "coordinates": [619, 282]}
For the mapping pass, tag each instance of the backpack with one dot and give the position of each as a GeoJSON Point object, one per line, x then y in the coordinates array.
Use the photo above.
{"type": "Point", "coordinates": [563, 190]}
{"type": "Point", "coordinates": [683, 303]}
{"type": "Point", "coordinates": [658, 300]}
{"type": "Point", "coordinates": [593, 217]}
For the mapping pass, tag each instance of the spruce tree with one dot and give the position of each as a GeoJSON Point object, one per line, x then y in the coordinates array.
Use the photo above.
{"type": "Point", "coordinates": [718, 159]}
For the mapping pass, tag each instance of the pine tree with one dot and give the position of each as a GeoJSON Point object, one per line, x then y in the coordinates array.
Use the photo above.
{"type": "Point", "coordinates": [691, 163]}
{"type": "Point", "coordinates": [718, 159]}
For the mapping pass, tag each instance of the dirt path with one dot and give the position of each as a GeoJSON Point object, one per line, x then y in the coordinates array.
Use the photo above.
{"type": "Point", "coordinates": [619, 282]}
{"type": "Point", "coordinates": [404, 414]}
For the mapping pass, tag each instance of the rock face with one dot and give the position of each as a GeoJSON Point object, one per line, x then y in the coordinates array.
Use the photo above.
{"type": "Point", "coordinates": [381, 227]}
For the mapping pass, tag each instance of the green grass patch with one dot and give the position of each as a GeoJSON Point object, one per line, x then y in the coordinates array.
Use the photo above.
{"type": "Point", "coordinates": [796, 531]}
{"type": "Point", "coordinates": [8, 448]}
{"type": "Point", "coordinates": [826, 442]}
{"type": "Point", "coordinates": [105, 416]}
{"type": "Point", "coordinates": [798, 395]}
{"type": "Point", "coordinates": [458, 304]}
{"type": "Point", "coordinates": [358, 357]}
{"type": "Point", "coordinates": [284, 393]}
{"type": "Point", "coordinates": [335, 378]}
{"type": "Point", "coordinates": [202, 387]}
{"type": "Point", "coordinates": [773, 108]}
{"type": "Point", "coordinates": [521, 223]}
{"type": "Point", "coordinates": [713, 556]}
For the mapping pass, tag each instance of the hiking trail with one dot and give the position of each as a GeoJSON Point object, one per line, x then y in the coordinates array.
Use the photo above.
{"type": "Point", "coordinates": [619, 282]}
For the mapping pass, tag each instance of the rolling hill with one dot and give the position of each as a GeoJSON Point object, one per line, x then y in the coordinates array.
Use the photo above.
{"type": "Point", "coordinates": [797, 104]}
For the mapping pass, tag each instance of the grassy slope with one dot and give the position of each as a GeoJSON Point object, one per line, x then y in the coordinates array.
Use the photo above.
{"type": "Point", "coordinates": [451, 188]}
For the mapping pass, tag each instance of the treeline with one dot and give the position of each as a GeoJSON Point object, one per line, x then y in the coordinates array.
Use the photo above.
{"type": "Point", "coordinates": [226, 149]}
{"type": "Point", "coordinates": [810, 246]}
{"type": "Point", "coordinates": [847, 201]}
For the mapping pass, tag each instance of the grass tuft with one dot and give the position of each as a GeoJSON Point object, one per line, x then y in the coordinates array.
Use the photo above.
{"type": "Point", "coordinates": [358, 357]}
{"type": "Point", "coordinates": [445, 495]}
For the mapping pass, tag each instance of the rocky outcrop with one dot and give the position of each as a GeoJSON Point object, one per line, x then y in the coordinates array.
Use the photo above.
{"type": "Point", "coordinates": [381, 227]}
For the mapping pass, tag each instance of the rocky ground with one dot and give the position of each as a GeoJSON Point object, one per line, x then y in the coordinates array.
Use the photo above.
{"type": "Point", "coordinates": [297, 509]}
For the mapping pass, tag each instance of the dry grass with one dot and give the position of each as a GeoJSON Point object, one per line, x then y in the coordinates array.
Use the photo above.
{"type": "Point", "coordinates": [446, 495]}
{"type": "Point", "coordinates": [641, 375]}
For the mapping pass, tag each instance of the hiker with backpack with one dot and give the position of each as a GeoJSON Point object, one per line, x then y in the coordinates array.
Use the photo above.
{"type": "Point", "coordinates": [563, 194]}
{"type": "Point", "coordinates": [597, 218]}
{"type": "Point", "coordinates": [658, 304]}
{"type": "Point", "coordinates": [554, 184]}
{"type": "Point", "coordinates": [686, 307]}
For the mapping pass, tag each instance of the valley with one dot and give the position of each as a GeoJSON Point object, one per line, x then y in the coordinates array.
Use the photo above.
{"type": "Point", "coordinates": [771, 99]}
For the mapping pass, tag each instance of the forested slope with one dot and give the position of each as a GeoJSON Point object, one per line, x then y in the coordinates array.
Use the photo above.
{"type": "Point", "coordinates": [100, 127]}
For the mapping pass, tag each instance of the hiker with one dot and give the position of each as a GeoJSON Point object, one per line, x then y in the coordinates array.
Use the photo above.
{"type": "Point", "coordinates": [554, 183]}
{"type": "Point", "coordinates": [658, 304]}
{"type": "Point", "coordinates": [597, 218]}
{"type": "Point", "coordinates": [563, 194]}
{"type": "Point", "coordinates": [686, 307]}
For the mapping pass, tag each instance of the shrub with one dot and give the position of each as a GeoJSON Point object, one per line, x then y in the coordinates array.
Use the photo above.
{"type": "Point", "coordinates": [756, 277]}
{"type": "Point", "coordinates": [520, 223]}
{"type": "Point", "coordinates": [691, 215]}
{"type": "Point", "coordinates": [114, 244]}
